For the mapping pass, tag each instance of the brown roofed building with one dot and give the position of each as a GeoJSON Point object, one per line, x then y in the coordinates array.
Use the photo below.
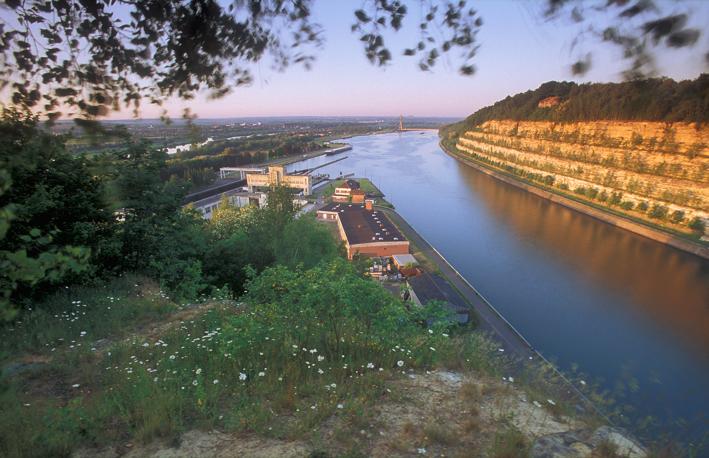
{"type": "Point", "coordinates": [411, 272]}
{"type": "Point", "coordinates": [370, 233]}
{"type": "Point", "coordinates": [344, 190]}
{"type": "Point", "coordinates": [358, 195]}
{"type": "Point", "coordinates": [550, 102]}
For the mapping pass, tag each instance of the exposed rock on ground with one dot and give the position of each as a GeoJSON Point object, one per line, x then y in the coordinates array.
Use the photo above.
{"type": "Point", "coordinates": [587, 442]}
{"type": "Point", "coordinates": [444, 413]}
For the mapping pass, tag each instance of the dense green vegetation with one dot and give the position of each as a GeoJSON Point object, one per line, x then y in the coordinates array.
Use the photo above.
{"type": "Point", "coordinates": [308, 317]}
{"type": "Point", "coordinates": [655, 99]}
{"type": "Point", "coordinates": [59, 227]}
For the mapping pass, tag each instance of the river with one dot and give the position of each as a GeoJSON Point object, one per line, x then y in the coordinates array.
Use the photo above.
{"type": "Point", "coordinates": [581, 291]}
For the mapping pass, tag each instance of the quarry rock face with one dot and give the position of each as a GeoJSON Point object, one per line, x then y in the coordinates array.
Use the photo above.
{"type": "Point", "coordinates": [650, 163]}
{"type": "Point", "coordinates": [583, 443]}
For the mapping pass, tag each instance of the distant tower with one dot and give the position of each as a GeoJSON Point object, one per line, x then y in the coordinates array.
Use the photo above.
{"type": "Point", "coordinates": [401, 127]}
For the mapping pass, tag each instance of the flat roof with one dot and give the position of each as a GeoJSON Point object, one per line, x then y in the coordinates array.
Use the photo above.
{"type": "Point", "coordinates": [214, 199]}
{"type": "Point", "coordinates": [401, 259]}
{"type": "Point", "coordinates": [434, 287]}
{"type": "Point", "coordinates": [369, 226]}
{"type": "Point", "coordinates": [339, 207]}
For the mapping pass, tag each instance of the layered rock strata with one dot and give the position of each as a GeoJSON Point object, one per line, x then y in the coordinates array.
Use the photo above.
{"type": "Point", "coordinates": [642, 165]}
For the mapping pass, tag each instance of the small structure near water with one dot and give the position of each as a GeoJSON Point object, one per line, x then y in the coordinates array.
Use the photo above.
{"type": "Point", "coordinates": [426, 288]}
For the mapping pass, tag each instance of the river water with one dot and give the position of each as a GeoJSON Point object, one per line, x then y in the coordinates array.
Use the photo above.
{"type": "Point", "coordinates": [581, 291]}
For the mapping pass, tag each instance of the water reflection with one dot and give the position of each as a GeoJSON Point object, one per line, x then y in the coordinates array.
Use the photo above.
{"type": "Point", "coordinates": [664, 284]}
{"type": "Point", "coordinates": [579, 290]}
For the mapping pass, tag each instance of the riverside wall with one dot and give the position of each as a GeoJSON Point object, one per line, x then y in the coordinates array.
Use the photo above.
{"type": "Point", "coordinates": [609, 218]}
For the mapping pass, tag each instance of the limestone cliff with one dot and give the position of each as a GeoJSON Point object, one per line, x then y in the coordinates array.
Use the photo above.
{"type": "Point", "coordinates": [650, 170]}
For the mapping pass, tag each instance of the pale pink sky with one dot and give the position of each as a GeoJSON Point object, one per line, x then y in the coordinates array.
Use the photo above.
{"type": "Point", "coordinates": [518, 52]}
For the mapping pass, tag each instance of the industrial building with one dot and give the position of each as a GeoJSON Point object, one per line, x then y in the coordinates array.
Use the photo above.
{"type": "Point", "coordinates": [365, 230]}
{"type": "Point", "coordinates": [277, 175]}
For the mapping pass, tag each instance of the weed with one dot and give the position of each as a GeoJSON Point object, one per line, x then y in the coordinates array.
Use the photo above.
{"type": "Point", "coordinates": [469, 391]}
{"type": "Point", "coordinates": [472, 423]}
{"type": "Point", "coordinates": [606, 449]}
{"type": "Point", "coordinates": [509, 444]}
{"type": "Point", "coordinates": [441, 434]}
{"type": "Point", "coordinates": [400, 445]}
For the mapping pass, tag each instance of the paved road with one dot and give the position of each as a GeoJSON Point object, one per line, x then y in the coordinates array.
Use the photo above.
{"type": "Point", "coordinates": [490, 321]}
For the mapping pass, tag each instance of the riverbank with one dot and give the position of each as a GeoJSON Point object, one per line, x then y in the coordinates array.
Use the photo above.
{"type": "Point", "coordinates": [652, 233]}
{"type": "Point", "coordinates": [491, 322]}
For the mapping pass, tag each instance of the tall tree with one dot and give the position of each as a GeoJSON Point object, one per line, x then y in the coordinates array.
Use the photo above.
{"type": "Point", "coordinates": [48, 201]}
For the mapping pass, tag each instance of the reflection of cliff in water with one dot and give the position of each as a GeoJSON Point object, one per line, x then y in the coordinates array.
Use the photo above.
{"type": "Point", "coordinates": [665, 284]}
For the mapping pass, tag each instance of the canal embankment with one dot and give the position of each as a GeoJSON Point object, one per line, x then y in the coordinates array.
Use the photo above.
{"type": "Point", "coordinates": [652, 233]}
{"type": "Point", "coordinates": [491, 322]}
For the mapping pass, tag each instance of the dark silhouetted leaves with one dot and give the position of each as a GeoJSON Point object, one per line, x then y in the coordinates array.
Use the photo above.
{"type": "Point", "coordinates": [168, 48]}
{"type": "Point", "coordinates": [683, 38]}
{"type": "Point", "coordinates": [460, 25]}
{"type": "Point", "coordinates": [639, 7]}
{"type": "Point", "coordinates": [617, 23]}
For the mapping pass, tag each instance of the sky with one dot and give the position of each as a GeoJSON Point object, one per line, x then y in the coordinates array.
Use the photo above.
{"type": "Point", "coordinates": [518, 52]}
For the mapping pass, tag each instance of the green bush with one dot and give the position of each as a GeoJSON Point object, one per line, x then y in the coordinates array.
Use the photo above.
{"type": "Point", "coordinates": [615, 198]}
{"type": "Point", "coordinates": [658, 211]}
{"type": "Point", "coordinates": [677, 216]}
{"type": "Point", "coordinates": [697, 225]}
{"type": "Point", "coordinates": [642, 207]}
{"type": "Point", "coordinates": [627, 205]}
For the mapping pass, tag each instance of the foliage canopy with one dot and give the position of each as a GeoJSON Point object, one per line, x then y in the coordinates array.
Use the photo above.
{"type": "Point", "coordinates": [653, 100]}
{"type": "Point", "coordinates": [95, 55]}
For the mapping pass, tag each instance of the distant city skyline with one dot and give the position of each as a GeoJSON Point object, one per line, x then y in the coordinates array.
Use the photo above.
{"type": "Point", "coordinates": [518, 52]}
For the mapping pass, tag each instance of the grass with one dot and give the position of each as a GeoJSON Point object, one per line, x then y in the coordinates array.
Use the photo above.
{"type": "Point", "coordinates": [110, 377]}
{"type": "Point", "coordinates": [367, 186]}
{"type": "Point", "coordinates": [138, 367]}
{"type": "Point", "coordinates": [330, 189]}
{"type": "Point", "coordinates": [82, 314]}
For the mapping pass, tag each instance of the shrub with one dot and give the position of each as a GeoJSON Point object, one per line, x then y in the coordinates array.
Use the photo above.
{"type": "Point", "coordinates": [580, 191]}
{"type": "Point", "coordinates": [603, 196]}
{"type": "Point", "coordinates": [591, 193]}
{"type": "Point", "coordinates": [615, 198]}
{"type": "Point", "coordinates": [658, 211]}
{"type": "Point", "coordinates": [627, 205]}
{"type": "Point", "coordinates": [677, 216]}
{"type": "Point", "coordinates": [642, 207]}
{"type": "Point", "coordinates": [697, 225]}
